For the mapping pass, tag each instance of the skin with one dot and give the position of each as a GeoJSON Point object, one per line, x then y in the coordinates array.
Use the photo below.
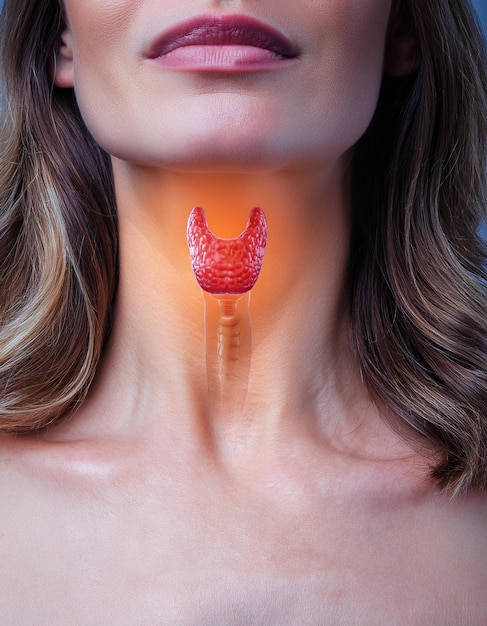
{"type": "Point", "coordinates": [150, 505]}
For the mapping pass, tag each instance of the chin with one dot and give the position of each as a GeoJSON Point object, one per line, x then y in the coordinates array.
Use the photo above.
{"type": "Point", "coordinates": [230, 149]}
{"type": "Point", "coordinates": [232, 146]}
{"type": "Point", "coordinates": [209, 156]}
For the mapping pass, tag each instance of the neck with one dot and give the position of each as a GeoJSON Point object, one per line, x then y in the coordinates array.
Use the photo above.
{"type": "Point", "coordinates": [300, 361]}
{"type": "Point", "coordinates": [307, 214]}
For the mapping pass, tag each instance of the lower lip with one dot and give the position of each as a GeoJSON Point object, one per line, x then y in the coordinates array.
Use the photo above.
{"type": "Point", "coordinates": [222, 58]}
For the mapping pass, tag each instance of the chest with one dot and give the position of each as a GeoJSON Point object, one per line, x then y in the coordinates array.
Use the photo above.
{"type": "Point", "coordinates": [207, 557]}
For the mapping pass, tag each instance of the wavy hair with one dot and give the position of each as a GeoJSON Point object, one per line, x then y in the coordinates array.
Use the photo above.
{"type": "Point", "coordinates": [58, 235]}
{"type": "Point", "coordinates": [418, 272]}
{"type": "Point", "coordinates": [417, 280]}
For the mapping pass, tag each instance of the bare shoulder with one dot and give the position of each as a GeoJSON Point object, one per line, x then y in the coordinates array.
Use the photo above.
{"type": "Point", "coordinates": [452, 548]}
{"type": "Point", "coordinates": [149, 539]}
{"type": "Point", "coordinates": [35, 469]}
{"type": "Point", "coordinates": [458, 531]}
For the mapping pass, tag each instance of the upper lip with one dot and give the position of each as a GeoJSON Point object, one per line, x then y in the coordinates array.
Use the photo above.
{"type": "Point", "coordinates": [212, 30]}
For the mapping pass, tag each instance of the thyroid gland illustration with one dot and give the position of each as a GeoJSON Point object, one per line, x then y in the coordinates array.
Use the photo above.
{"type": "Point", "coordinates": [226, 270]}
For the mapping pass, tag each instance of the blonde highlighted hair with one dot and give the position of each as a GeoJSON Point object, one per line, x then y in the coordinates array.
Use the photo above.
{"type": "Point", "coordinates": [58, 236]}
{"type": "Point", "coordinates": [417, 280]}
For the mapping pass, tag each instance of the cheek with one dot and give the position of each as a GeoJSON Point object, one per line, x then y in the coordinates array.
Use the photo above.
{"type": "Point", "coordinates": [99, 17]}
{"type": "Point", "coordinates": [350, 51]}
{"type": "Point", "coordinates": [98, 29]}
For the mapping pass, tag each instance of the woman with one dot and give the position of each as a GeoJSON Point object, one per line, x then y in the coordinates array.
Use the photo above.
{"type": "Point", "coordinates": [360, 128]}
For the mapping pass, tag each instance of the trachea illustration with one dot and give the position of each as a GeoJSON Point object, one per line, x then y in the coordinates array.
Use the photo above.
{"type": "Point", "coordinates": [226, 270]}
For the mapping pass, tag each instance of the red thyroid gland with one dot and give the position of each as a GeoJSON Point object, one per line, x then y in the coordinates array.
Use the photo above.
{"type": "Point", "coordinates": [226, 266]}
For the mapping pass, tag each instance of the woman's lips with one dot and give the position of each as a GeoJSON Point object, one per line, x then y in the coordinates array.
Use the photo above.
{"type": "Point", "coordinates": [230, 43]}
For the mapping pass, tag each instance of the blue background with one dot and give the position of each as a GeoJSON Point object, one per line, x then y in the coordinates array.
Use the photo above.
{"type": "Point", "coordinates": [481, 6]}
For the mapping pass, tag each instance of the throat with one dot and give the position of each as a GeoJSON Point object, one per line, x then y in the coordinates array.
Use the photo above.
{"type": "Point", "coordinates": [276, 347]}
